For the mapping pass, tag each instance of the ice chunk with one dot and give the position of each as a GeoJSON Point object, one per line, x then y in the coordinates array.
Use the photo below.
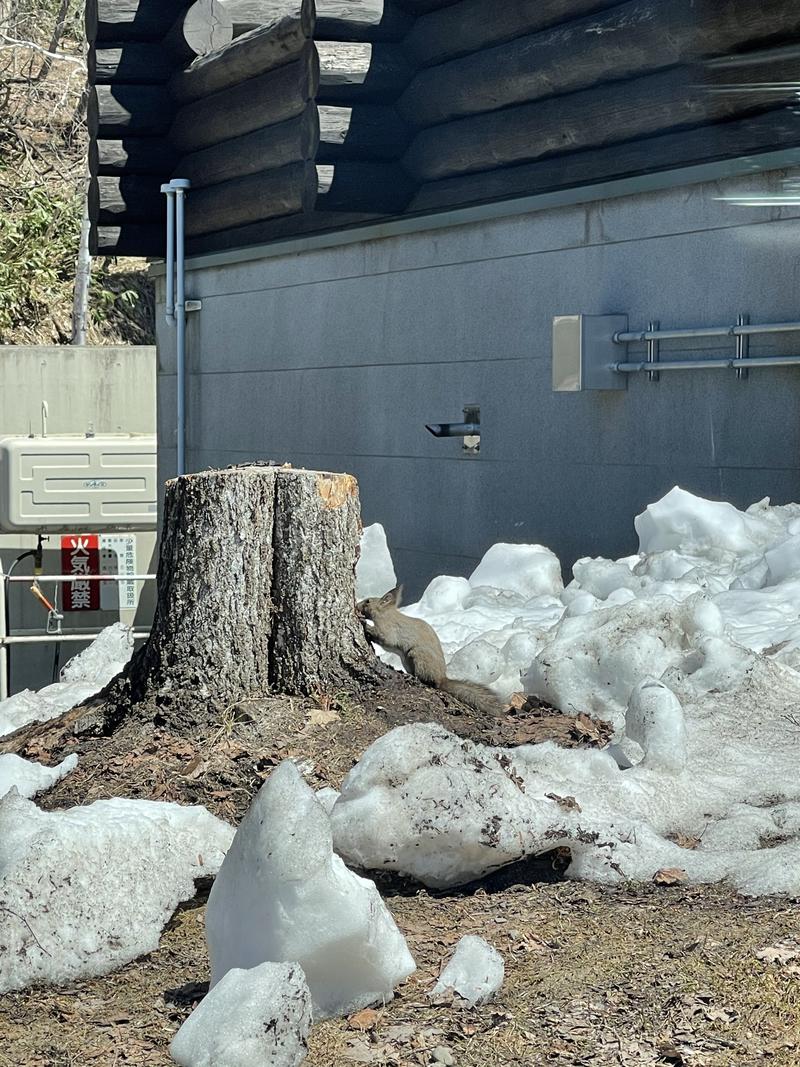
{"type": "Point", "coordinates": [82, 677]}
{"type": "Point", "coordinates": [475, 971]}
{"type": "Point", "coordinates": [85, 890]}
{"type": "Point", "coordinates": [529, 570]}
{"type": "Point", "coordinates": [426, 803]}
{"type": "Point", "coordinates": [655, 720]}
{"type": "Point", "coordinates": [30, 778]}
{"type": "Point", "coordinates": [282, 895]}
{"type": "Point", "coordinates": [327, 797]}
{"type": "Point", "coordinates": [255, 1018]}
{"type": "Point", "coordinates": [374, 569]}
{"type": "Point", "coordinates": [104, 658]}
{"type": "Point", "coordinates": [783, 561]}
{"type": "Point", "coordinates": [686, 522]}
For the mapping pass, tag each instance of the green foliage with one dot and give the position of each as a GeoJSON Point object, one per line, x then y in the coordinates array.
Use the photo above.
{"type": "Point", "coordinates": [39, 233]}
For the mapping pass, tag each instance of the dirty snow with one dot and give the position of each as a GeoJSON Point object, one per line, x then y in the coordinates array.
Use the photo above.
{"type": "Point", "coordinates": [283, 895]}
{"type": "Point", "coordinates": [82, 677]}
{"type": "Point", "coordinates": [30, 778]}
{"type": "Point", "coordinates": [688, 648]}
{"type": "Point", "coordinates": [475, 971]}
{"type": "Point", "coordinates": [251, 1018]}
{"type": "Point", "coordinates": [86, 890]}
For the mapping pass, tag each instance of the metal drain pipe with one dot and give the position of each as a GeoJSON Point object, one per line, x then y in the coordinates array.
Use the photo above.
{"type": "Point", "coordinates": [175, 192]}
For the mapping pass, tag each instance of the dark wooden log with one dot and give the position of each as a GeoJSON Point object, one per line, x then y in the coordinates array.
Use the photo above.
{"type": "Point", "coordinates": [239, 201]}
{"type": "Point", "coordinates": [380, 188]}
{"type": "Point", "coordinates": [268, 149]}
{"type": "Point", "coordinates": [419, 7]}
{"type": "Point", "coordinates": [267, 603]}
{"type": "Point", "coordinates": [369, 131]}
{"type": "Point", "coordinates": [114, 200]}
{"type": "Point", "coordinates": [621, 111]}
{"type": "Point", "coordinates": [726, 140]}
{"type": "Point", "coordinates": [258, 102]}
{"type": "Point", "coordinates": [277, 230]}
{"type": "Point", "coordinates": [131, 155]}
{"type": "Point", "coordinates": [470, 25]}
{"type": "Point", "coordinates": [278, 42]}
{"type": "Point", "coordinates": [130, 240]}
{"type": "Point", "coordinates": [137, 62]}
{"type": "Point", "coordinates": [203, 28]}
{"type": "Point", "coordinates": [337, 20]}
{"type": "Point", "coordinates": [638, 37]}
{"type": "Point", "coordinates": [131, 20]}
{"type": "Point", "coordinates": [120, 110]}
{"type": "Point", "coordinates": [353, 73]}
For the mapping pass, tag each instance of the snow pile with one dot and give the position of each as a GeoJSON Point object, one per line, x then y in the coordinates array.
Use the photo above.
{"type": "Point", "coordinates": [282, 895]}
{"type": "Point", "coordinates": [374, 569]}
{"type": "Point", "coordinates": [710, 586]}
{"type": "Point", "coordinates": [82, 677]}
{"type": "Point", "coordinates": [255, 1018]}
{"type": "Point", "coordinates": [30, 778]}
{"type": "Point", "coordinates": [426, 803]}
{"type": "Point", "coordinates": [446, 811]}
{"type": "Point", "coordinates": [475, 971]}
{"type": "Point", "coordinates": [86, 890]}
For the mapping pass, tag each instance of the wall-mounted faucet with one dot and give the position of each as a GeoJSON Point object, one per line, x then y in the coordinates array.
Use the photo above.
{"type": "Point", "coordinates": [469, 429]}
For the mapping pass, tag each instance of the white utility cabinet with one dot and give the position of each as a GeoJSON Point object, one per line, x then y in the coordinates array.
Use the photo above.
{"type": "Point", "coordinates": [77, 481]}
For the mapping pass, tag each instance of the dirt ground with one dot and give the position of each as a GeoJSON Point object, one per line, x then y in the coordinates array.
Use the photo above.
{"type": "Point", "coordinates": [631, 975]}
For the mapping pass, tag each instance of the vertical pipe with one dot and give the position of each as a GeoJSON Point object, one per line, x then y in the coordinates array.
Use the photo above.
{"type": "Point", "coordinates": [180, 185]}
{"type": "Point", "coordinates": [169, 192]}
{"type": "Point", "coordinates": [5, 651]}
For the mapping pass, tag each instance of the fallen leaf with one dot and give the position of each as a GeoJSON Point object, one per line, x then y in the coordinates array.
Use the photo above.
{"type": "Point", "coordinates": [566, 803]}
{"type": "Point", "coordinates": [322, 716]}
{"type": "Point", "coordinates": [670, 876]}
{"type": "Point", "coordinates": [684, 840]}
{"type": "Point", "coordinates": [781, 952]}
{"type": "Point", "coordinates": [364, 1020]}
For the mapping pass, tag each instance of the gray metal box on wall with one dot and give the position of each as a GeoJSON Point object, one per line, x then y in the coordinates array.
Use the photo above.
{"type": "Point", "coordinates": [584, 353]}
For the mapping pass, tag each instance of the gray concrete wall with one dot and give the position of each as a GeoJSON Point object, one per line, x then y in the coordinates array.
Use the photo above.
{"type": "Point", "coordinates": [336, 359]}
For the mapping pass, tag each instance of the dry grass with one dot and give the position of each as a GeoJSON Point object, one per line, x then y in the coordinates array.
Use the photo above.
{"type": "Point", "coordinates": [593, 976]}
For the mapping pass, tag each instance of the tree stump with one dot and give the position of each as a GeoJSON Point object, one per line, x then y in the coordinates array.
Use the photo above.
{"type": "Point", "coordinates": [256, 588]}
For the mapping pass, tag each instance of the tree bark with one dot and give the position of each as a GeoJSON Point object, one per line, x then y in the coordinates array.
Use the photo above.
{"type": "Point", "coordinates": [83, 275]}
{"type": "Point", "coordinates": [256, 585]}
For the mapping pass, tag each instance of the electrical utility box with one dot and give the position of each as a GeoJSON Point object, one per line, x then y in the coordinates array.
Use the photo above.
{"type": "Point", "coordinates": [74, 481]}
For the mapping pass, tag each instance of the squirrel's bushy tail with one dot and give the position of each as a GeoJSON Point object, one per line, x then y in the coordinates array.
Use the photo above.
{"type": "Point", "coordinates": [474, 695]}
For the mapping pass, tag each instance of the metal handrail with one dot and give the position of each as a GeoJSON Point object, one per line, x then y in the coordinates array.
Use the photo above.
{"type": "Point", "coordinates": [624, 337]}
{"type": "Point", "coordinates": [8, 639]}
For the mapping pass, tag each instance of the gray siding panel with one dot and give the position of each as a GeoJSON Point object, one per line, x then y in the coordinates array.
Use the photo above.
{"type": "Point", "coordinates": [336, 358]}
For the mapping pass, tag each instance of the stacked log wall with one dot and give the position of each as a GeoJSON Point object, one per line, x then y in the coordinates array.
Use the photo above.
{"type": "Point", "coordinates": [134, 48]}
{"type": "Point", "coordinates": [323, 115]}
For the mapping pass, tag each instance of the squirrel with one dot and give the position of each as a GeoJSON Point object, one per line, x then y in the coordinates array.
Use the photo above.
{"type": "Point", "coordinates": [417, 645]}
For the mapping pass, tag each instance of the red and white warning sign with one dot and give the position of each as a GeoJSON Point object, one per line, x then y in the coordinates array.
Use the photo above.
{"type": "Point", "coordinates": [80, 555]}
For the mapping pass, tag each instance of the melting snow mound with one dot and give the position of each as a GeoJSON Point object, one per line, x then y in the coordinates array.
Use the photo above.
{"type": "Point", "coordinates": [282, 895]}
{"type": "Point", "coordinates": [82, 677]}
{"type": "Point", "coordinates": [475, 971]}
{"type": "Point", "coordinates": [29, 778]}
{"type": "Point", "coordinates": [255, 1018]}
{"type": "Point", "coordinates": [446, 811]}
{"type": "Point", "coordinates": [86, 890]}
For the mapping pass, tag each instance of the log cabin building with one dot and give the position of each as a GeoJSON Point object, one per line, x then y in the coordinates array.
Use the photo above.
{"type": "Point", "coordinates": [391, 200]}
